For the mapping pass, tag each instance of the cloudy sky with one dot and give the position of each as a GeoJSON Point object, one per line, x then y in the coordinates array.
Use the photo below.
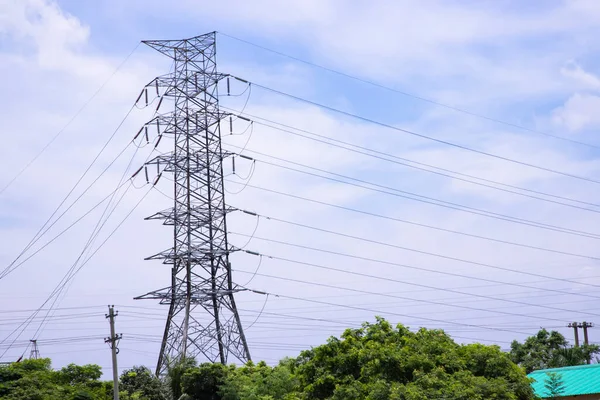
{"type": "Point", "coordinates": [464, 198]}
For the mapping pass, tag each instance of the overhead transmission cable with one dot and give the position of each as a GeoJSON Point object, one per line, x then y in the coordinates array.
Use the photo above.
{"type": "Point", "coordinates": [441, 289]}
{"type": "Point", "coordinates": [392, 158]}
{"type": "Point", "coordinates": [46, 225]}
{"type": "Point", "coordinates": [422, 136]}
{"type": "Point", "coordinates": [79, 111]}
{"type": "Point", "coordinates": [106, 214]}
{"type": "Point", "coordinates": [413, 304]}
{"type": "Point", "coordinates": [439, 272]}
{"type": "Point", "coordinates": [388, 190]}
{"type": "Point", "coordinates": [404, 93]}
{"type": "Point", "coordinates": [427, 253]}
{"type": "Point", "coordinates": [93, 236]}
{"type": "Point", "coordinates": [363, 308]}
{"type": "Point", "coordinates": [439, 203]}
{"type": "Point", "coordinates": [61, 233]}
{"type": "Point", "coordinates": [66, 279]}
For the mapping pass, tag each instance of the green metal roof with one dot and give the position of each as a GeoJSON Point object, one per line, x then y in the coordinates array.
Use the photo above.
{"type": "Point", "coordinates": [582, 379]}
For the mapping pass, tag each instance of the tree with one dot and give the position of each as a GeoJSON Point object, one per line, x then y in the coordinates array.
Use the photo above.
{"type": "Point", "coordinates": [138, 382]}
{"type": "Point", "coordinates": [259, 382]}
{"type": "Point", "coordinates": [36, 380]}
{"type": "Point", "coordinates": [378, 361]}
{"type": "Point", "coordinates": [549, 350]}
{"type": "Point", "coordinates": [175, 372]}
{"type": "Point", "coordinates": [203, 382]}
{"type": "Point", "coordinates": [374, 362]}
{"type": "Point", "coordinates": [75, 374]}
{"type": "Point", "coordinates": [554, 384]}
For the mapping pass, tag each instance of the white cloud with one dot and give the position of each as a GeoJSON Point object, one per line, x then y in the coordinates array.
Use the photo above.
{"type": "Point", "coordinates": [40, 24]}
{"type": "Point", "coordinates": [580, 112]}
{"type": "Point", "coordinates": [579, 75]}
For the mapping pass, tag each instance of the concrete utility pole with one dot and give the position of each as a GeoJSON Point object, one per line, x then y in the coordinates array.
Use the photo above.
{"type": "Point", "coordinates": [575, 327]}
{"type": "Point", "coordinates": [585, 326]}
{"type": "Point", "coordinates": [112, 341]}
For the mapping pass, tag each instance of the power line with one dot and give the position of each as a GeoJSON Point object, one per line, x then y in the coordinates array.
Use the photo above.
{"type": "Point", "coordinates": [8, 269]}
{"type": "Point", "coordinates": [94, 235]}
{"type": "Point", "coordinates": [381, 155]}
{"type": "Point", "coordinates": [425, 252]}
{"type": "Point", "coordinates": [480, 296]}
{"type": "Point", "coordinates": [497, 283]}
{"type": "Point", "coordinates": [452, 205]}
{"type": "Point", "coordinates": [444, 204]}
{"type": "Point", "coordinates": [424, 99]}
{"type": "Point", "coordinates": [395, 305]}
{"type": "Point", "coordinates": [92, 238]}
{"type": "Point", "coordinates": [363, 308]}
{"type": "Point", "coordinates": [70, 121]}
{"type": "Point", "coordinates": [41, 230]}
{"type": "Point", "coordinates": [422, 136]}
{"type": "Point", "coordinates": [345, 324]}
{"type": "Point", "coordinates": [403, 265]}
{"type": "Point", "coordinates": [386, 305]}
{"type": "Point", "coordinates": [67, 278]}
{"type": "Point", "coordinates": [454, 274]}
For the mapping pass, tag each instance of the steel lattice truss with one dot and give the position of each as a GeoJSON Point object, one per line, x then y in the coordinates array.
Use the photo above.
{"type": "Point", "coordinates": [203, 319]}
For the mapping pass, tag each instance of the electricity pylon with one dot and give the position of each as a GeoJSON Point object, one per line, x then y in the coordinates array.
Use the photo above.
{"type": "Point", "coordinates": [35, 351]}
{"type": "Point", "coordinates": [203, 319]}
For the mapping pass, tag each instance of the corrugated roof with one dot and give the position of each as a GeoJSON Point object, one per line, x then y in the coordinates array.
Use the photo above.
{"type": "Point", "coordinates": [582, 379]}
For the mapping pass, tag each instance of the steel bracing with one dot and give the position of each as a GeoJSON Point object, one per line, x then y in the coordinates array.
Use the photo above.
{"type": "Point", "coordinates": [203, 320]}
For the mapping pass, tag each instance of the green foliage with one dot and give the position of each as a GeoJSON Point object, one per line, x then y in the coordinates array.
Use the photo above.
{"type": "Point", "coordinates": [379, 362]}
{"type": "Point", "coordinates": [549, 350]}
{"type": "Point", "coordinates": [74, 374]}
{"type": "Point", "coordinates": [554, 384]}
{"type": "Point", "coordinates": [138, 383]}
{"type": "Point", "coordinates": [175, 372]}
{"type": "Point", "coordinates": [36, 380]}
{"type": "Point", "coordinates": [375, 362]}
{"type": "Point", "coordinates": [259, 382]}
{"type": "Point", "coordinates": [203, 382]}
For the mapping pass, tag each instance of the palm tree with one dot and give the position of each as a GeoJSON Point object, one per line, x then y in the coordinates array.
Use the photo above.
{"type": "Point", "coordinates": [567, 357]}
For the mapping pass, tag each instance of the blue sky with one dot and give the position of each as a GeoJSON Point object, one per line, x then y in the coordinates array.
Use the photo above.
{"type": "Point", "coordinates": [532, 64]}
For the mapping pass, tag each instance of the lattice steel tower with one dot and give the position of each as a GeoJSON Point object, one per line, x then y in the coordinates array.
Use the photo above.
{"type": "Point", "coordinates": [203, 319]}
